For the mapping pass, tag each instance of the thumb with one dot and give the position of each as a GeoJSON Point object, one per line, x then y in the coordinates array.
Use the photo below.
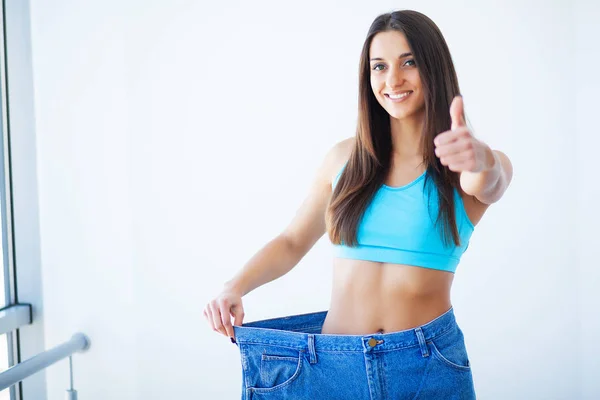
{"type": "Point", "coordinates": [238, 313]}
{"type": "Point", "coordinates": [457, 113]}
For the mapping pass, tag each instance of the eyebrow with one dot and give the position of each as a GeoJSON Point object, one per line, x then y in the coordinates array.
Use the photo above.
{"type": "Point", "coordinates": [401, 56]}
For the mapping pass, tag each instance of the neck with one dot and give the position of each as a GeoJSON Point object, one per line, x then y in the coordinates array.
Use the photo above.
{"type": "Point", "coordinates": [406, 136]}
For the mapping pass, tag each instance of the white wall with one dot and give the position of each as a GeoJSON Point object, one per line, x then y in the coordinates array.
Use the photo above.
{"type": "Point", "coordinates": [585, 68]}
{"type": "Point", "coordinates": [176, 138]}
{"type": "Point", "coordinates": [85, 194]}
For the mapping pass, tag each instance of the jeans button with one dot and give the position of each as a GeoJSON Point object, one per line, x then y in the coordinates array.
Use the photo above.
{"type": "Point", "coordinates": [372, 342]}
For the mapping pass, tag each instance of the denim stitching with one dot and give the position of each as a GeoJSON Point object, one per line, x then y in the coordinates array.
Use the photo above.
{"type": "Point", "coordinates": [284, 384]}
{"type": "Point", "coordinates": [245, 366]}
{"type": "Point", "coordinates": [383, 368]}
{"type": "Point", "coordinates": [265, 356]}
{"type": "Point", "coordinates": [271, 357]}
{"type": "Point", "coordinates": [424, 379]}
{"type": "Point", "coordinates": [422, 342]}
{"type": "Point", "coordinates": [441, 357]}
{"type": "Point", "coordinates": [277, 344]}
{"type": "Point", "coordinates": [305, 327]}
{"type": "Point", "coordinates": [286, 344]}
{"type": "Point", "coordinates": [311, 349]}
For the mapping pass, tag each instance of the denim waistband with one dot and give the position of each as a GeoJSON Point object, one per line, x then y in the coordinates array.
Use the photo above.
{"type": "Point", "coordinates": [295, 331]}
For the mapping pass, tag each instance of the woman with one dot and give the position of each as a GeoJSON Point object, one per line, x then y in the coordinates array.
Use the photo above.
{"type": "Point", "coordinates": [399, 202]}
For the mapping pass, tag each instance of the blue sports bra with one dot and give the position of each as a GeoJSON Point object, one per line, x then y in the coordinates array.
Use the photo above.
{"type": "Point", "coordinates": [398, 227]}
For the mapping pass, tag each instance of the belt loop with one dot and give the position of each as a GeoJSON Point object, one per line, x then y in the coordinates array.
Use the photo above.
{"type": "Point", "coordinates": [311, 349]}
{"type": "Point", "coordinates": [422, 343]}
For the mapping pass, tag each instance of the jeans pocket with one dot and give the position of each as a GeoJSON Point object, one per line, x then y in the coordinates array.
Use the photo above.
{"type": "Point", "coordinates": [271, 368]}
{"type": "Point", "coordinates": [277, 371]}
{"type": "Point", "coordinates": [450, 349]}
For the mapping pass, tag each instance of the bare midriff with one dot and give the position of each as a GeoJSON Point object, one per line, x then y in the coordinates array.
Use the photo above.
{"type": "Point", "coordinates": [373, 297]}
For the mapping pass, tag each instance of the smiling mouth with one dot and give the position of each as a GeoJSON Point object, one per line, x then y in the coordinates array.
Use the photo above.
{"type": "Point", "coordinates": [398, 97]}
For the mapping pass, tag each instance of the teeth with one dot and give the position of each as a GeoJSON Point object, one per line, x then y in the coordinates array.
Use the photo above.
{"type": "Point", "coordinates": [398, 96]}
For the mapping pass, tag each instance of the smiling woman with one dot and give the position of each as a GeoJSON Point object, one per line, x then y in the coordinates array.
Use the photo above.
{"type": "Point", "coordinates": [395, 78]}
{"type": "Point", "coordinates": [391, 201]}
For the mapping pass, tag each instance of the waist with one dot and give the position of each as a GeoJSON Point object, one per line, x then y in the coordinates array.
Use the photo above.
{"type": "Point", "coordinates": [302, 331]}
{"type": "Point", "coordinates": [363, 320]}
{"type": "Point", "coordinates": [388, 280]}
{"type": "Point", "coordinates": [374, 297]}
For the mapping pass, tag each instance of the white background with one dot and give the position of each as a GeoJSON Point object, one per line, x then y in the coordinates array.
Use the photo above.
{"type": "Point", "coordinates": [174, 139]}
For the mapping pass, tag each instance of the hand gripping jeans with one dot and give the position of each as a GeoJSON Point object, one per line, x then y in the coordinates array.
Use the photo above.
{"type": "Point", "coordinates": [288, 358]}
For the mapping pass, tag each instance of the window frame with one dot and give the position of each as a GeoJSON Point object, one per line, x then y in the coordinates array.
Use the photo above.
{"type": "Point", "coordinates": [20, 318]}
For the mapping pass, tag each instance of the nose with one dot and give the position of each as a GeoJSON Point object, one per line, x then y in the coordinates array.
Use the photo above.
{"type": "Point", "coordinates": [394, 78]}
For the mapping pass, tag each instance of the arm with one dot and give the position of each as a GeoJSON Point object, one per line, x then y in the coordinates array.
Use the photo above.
{"type": "Point", "coordinates": [284, 252]}
{"type": "Point", "coordinates": [489, 184]}
{"type": "Point", "coordinates": [278, 256]}
{"type": "Point", "coordinates": [484, 173]}
{"type": "Point", "coordinates": [272, 261]}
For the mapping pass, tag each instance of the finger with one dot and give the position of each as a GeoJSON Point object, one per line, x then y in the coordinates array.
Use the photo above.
{"type": "Point", "coordinates": [209, 317]}
{"type": "Point", "coordinates": [216, 317]}
{"type": "Point", "coordinates": [466, 162]}
{"type": "Point", "coordinates": [451, 136]}
{"type": "Point", "coordinates": [457, 113]}
{"type": "Point", "coordinates": [455, 167]}
{"type": "Point", "coordinates": [455, 147]}
{"type": "Point", "coordinates": [456, 159]}
{"type": "Point", "coordinates": [238, 313]}
{"type": "Point", "coordinates": [460, 167]}
{"type": "Point", "coordinates": [226, 318]}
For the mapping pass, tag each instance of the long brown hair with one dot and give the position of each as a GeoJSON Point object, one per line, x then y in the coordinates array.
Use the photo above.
{"type": "Point", "coordinates": [370, 158]}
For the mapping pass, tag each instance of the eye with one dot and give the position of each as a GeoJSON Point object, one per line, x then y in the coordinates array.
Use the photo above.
{"type": "Point", "coordinates": [411, 60]}
{"type": "Point", "coordinates": [378, 65]}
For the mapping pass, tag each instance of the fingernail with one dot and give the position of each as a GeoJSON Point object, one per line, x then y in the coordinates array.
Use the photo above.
{"type": "Point", "coordinates": [232, 340]}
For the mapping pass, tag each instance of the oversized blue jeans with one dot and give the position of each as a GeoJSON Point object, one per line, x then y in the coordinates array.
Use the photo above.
{"type": "Point", "coordinates": [289, 358]}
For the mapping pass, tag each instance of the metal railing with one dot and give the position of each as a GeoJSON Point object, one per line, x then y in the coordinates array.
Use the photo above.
{"type": "Point", "coordinates": [14, 317]}
{"type": "Point", "coordinates": [78, 343]}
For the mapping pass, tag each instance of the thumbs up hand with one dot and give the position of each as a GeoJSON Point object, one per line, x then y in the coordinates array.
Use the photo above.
{"type": "Point", "coordinates": [458, 149]}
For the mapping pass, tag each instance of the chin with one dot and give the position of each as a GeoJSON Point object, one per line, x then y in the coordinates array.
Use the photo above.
{"type": "Point", "coordinates": [400, 114]}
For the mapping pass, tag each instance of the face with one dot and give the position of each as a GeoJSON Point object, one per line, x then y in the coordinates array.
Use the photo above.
{"type": "Point", "coordinates": [395, 79]}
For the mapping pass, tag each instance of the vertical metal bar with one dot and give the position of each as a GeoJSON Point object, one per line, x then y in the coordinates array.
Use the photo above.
{"type": "Point", "coordinates": [6, 174]}
{"type": "Point", "coordinates": [71, 393]}
{"type": "Point", "coordinates": [20, 208]}
{"type": "Point", "coordinates": [71, 372]}
{"type": "Point", "coordinates": [6, 204]}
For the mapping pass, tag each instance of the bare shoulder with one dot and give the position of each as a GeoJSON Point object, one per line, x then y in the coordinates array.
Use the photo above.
{"type": "Point", "coordinates": [308, 225]}
{"type": "Point", "coordinates": [339, 155]}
